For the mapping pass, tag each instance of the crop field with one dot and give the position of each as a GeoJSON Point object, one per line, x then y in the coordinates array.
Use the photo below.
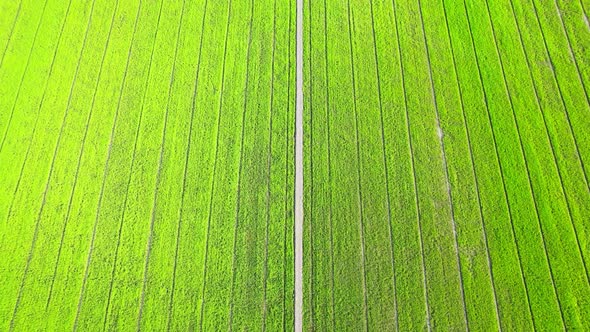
{"type": "Point", "coordinates": [447, 157]}
{"type": "Point", "coordinates": [146, 165]}
{"type": "Point", "coordinates": [150, 165]}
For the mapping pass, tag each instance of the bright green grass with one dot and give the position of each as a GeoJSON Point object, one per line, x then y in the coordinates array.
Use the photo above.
{"type": "Point", "coordinates": [146, 165]}
{"type": "Point", "coordinates": [446, 165]}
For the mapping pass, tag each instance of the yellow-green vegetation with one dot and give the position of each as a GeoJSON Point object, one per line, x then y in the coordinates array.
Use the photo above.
{"type": "Point", "coordinates": [146, 165]}
{"type": "Point", "coordinates": [447, 165]}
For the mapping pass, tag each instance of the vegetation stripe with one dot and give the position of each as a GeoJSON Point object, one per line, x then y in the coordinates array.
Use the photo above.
{"type": "Point", "coordinates": [18, 91]}
{"type": "Point", "coordinates": [113, 271]}
{"type": "Point", "coordinates": [88, 260]}
{"type": "Point", "coordinates": [475, 176]}
{"type": "Point", "coordinates": [67, 217]}
{"type": "Point", "coordinates": [445, 165]}
{"type": "Point", "coordinates": [268, 169]}
{"type": "Point", "coordinates": [214, 167]}
{"type": "Point", "coordinates": [11, 32]}
{"type": "Point", "coordinates": [32, 247]}
{"type": "Point", "coordinates": [384, 154]}
{"type": "Point", "coordinates": [553, 154]}
{"type": "Point", "coordinates": [413, 168]}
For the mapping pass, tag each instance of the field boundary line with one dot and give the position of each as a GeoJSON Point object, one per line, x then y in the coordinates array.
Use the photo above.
{"type": "Point", "coordinates": [298, 201]}
{"type": "Point", "coordinates": [11, 33]}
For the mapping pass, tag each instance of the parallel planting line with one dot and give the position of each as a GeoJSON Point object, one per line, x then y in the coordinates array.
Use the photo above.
{"type": "Point", "coordinates": [559, 170]}
{"type": "Point", "coordinates": [105, 172]}
{"type": "Point", "coordinates": [188, 149]}
{"type": "Point", "coordinates": [221, 90]}
{"type": "Point", "coordinates": [36, 231]}
{"type": "Point", "coordinates": [530, 187]}
{"type": "Point", "coordinates": [413, 167]}
{"type": "Point", "coordinates": [359, 187]}
{"type": "Point", "coordinates": [268, 167]}
{"type": "Point", "coordinates": [240, 167]}
{"type": "Point", "coordinates": [22, 77]}
{"type": "Point", "coordinates": [498, 158]}
{"type": "Point", "coordinates": [286, 194]}
{"type": "Point", "coordinates": [158, 175]}
{"type": "Point", "coordinates": [571, 51]}
{"type": "Point", "coordinates": [384, 154]}
{"type": "Point", "coordinates": [561, 95]}
{"type": "Point", "coordinates": [446, 169]}
{"type": "Point", "coordinates": [328, 148]}
{"type": "Point", "coordinates": [145, 89]}
{"type": "Point", "coordinates": [474, 172]}
{"type": "Point", "coordinates": [20, 176]}
{"type": "Point", "coordinates": [67, 218]}
{"type": "Point", "coordinates": [311, 182]}
{"type": "Point", "coordinates": [11, 32]}
{"type": "Point", "coordinates": [298, 204]}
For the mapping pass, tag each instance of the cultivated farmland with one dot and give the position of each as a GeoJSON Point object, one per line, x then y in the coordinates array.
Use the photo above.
{"type": "Point", "coordinates": [447, 159]}
{"type": "Point", "coordinates": [146, 165]}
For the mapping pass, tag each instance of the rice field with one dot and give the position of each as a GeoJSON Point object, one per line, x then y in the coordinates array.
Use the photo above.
{"type": "Point", "coordinates": [146, 167]}
{"type": "Point", "coordinates": [149, 149]}
{"type": "Point", "coordinates": [447, 163]}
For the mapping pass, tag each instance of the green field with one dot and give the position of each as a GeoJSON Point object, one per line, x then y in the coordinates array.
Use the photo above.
{"type": "Point", "coordinates": [146, 170]}
{"type": "Point", "coordinates": [147, 165]}
{"type": "Point", "coordinates": [447, 161]}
